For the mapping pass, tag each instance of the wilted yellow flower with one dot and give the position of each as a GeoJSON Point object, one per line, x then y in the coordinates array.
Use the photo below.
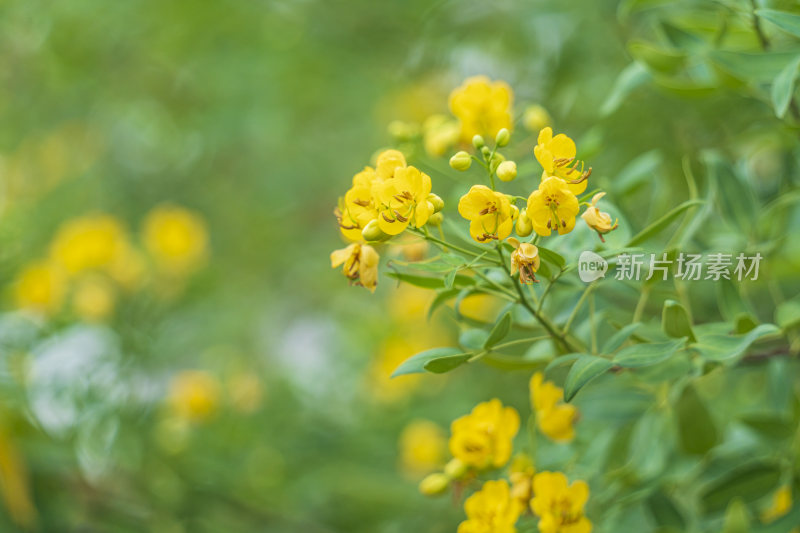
{"type": "Point", "coordinates": [360, 264]}
{"type": "Point", "coordinates": [403, 200]}
{"type": "Point", "coordinates": [491, 510]}
{"type": "Point", "coordinates": [598, 220]}
{"type": "Point", "coordinates": [552, 206]}
{"type": "Point", "coordinates": [525, 260]}
{"type": "Point", "coordinates": [194, 395]}
{"type": "Point", "coordinates": [90, 242]}
{"type": "Point", "coordinates": [483, 438]}
{"type": "Point", "coordinates": [535, 118]}
{"type": "Point", "coordinates": [93, 298]}
{"type": "Point", "coordinates": [557, 157]}
{"type": "Point", "coordinates": [422, 447]}
{"type": "Point", "coordinates": [439, 134]}
{"type": "Point", "coordinates": [40, 287]}
{"type": "Point", "coordinates": [489, 213]}
{"type": "Point", "coordinates": [560, 506]}
{"type": "Point", "coordinates": [482, 106]}
{"type": "Point", "coordinates": [176, 238]}
{"type": "Point", "coordinates": [555, 419]}
{"type": "Point", "coordinates": [780, 505]}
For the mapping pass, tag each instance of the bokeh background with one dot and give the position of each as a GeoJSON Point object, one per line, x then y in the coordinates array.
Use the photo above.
{"type": "Point", "coordinates": [199, 366]}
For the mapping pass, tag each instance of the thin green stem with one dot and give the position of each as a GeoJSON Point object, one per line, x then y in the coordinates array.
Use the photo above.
{"type": "Point", "coordinates": [520, 341]}
{"type": "Point", "coordinates": [592, 324]}
{"type": "Point", "coordinates": [577, 307]}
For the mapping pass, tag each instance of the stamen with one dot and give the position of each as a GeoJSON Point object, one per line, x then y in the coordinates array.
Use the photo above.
{"type": "Point", "coordinates": [400, 217]}
{"type": "Point", "coordinates": [387, 219]}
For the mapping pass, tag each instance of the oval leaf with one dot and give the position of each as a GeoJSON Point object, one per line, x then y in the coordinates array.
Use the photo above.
{"type": "Point", "coordinates": [696, 428]}
{"type": "Point", "coordinates": [416, 363]}
{"type": "Point", "coordinates": [788, 22]}
{"type": "Point", "coordinates": [619, 338]}
{"type": "Point", "coordinates": [441, 365]}
{"type": "Point", "coordinates": [641, 355]}
{"type": "Point", "coordinates": [783, 87]}
{"type": "Point", "coordinates": [731, 347]}
{"type": "Point", "coordinates": [499, 331]}
{"type": "Point", "coordinates": [675, 321]}
{"type": "Point", "coordinates": [585, 369]}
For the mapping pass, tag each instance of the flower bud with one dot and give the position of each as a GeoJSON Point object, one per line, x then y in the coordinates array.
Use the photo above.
{"type": "Point", "coordinates": [478, 142]}
{"type": "Point", "coordinates": [455, 468]}
{"type": "Point", "coordinates": [434, 484]}
{"type": "Point", "coordinates": [514, 212]}
{"type": "Point", "coordinates": [535, 118]}
{"type": "Point", "coordinates": [486, 152]}
{"type": "Point", "coordinates": [497, 158]}
{"type": "Point", "coordinates": [507, 170]}
{"type": "Point", "coordinates": [435, 219]}
{"type": "Point", "coordinates": [524, 224]}
{"type": "Point", "coordinates": [502, 138]}
{"type": "Point", "coordinates": [461, 161]}
{"type": "Point", "coordinates": [372, 232]}
{"type": "Point", "coordinates": [438, 203]}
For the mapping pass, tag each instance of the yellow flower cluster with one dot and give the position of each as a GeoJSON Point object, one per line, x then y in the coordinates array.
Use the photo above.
{"type": "Point", "coordinates": [92, 257]}
{"type": "Point", "coordinates": [382, 202]}
{"type": "Point", "coordinates": [558, 505]}
{"type": "Point", "coordinates": [491, 509]}
{"type": "Point", "coordinates": [483, 438]}
{"type": "Point", "coordinates": [482, 106]}
{"type": "Point", "coordinates": [554, 418]}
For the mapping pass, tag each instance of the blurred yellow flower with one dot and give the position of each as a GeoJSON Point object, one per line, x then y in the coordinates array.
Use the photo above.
{"type": "Point", "coordinates": [93, 298]}
{"type": "Point", "coordinates": [557, 157]}
{"type": "Point", "coordinates": [598, 220]}
{"type": "Point", "coordinates": [40, 287]}
{"type": "Point", "coordinates": [245, 392]}
{"type": "Point", "coordinates": [525, 260]}
{"type": "Point", "coordinates": [780, 505]}
{"type": "Point", "coordinates": [387, 163]}
{"type": "Point", "coordinates": [489, 213]}
{"type": "Point", "coordinates": [360, 264]}
{"type": "Point", "coordinates": [521, 477]}
{"type": "Point", "coordinates": [194, 395]}
{"type": "Point", "coordinates": [480, 307]}
{"type": "Point", "coordinates": [403, 200]}
{"type": "Point", "coordinates": [552, 206]}
{"type": "Point", "coordinates": [176, 238]}
{"type": "Point", "coordinates": [91, 242]}
{"type": "Point", "coordinates": [128, 268]}
{"type": "Point", "coordinates": [483, 438]}
{"type": "Point", "coordinates": [439, 134]}
{"type": "Point", "coordinates": [394, 350]}
{"type": "Point", "coordinates": [560, 506]}
{"type": "Point", "coordinates": [536, 118]}
{"type": "Point", "coordinates": [482, 106]}
{"type": "Point", "coordinates": [422, 447]}
{"type": "Point", "coordinates": [14, 484]}
{"type": "Point", "coordinates": [408, 304]}
{"type": "Point", "coordinates": [555, 419]}
{"type": "Point", "coordinates": [491, 510]}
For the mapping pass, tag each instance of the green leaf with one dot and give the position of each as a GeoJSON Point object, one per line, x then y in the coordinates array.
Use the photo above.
{"type": "Point", "coordinates": [441, 298]}
{"type": "Point", "coordinates": [551, 257]}
{"type": "Point", "coordinates": [788, 22]}
{"type": "Point", "coordinates": [499, 331]}
{"type": "Point", "coordinates": [637, 171]}
{"type": "Point", "coordinates": [641, 355]}
{"type": "Point", "coordinates": [619, 338]}
{"type": "Point", "coordinates": [783, 87]}
{"type": "Point", "coordinates": [450, 278]}
{"type": "Point", "coordinates": [730, 347]}
{"type": "Point", "coordinates": [446, 364]}
{"type": "Point", "coordinates": [562, 360]}
{"type": "Point", "coordinates": [675, 321]}
{"type": "Point", "coordinates": [680, 38]}
{"type": "Point", "coordinates": [630, 78]}
{"type": "Point", "coordinates": [428, 282]}
{"type": "Point", "coordinates": [737, 518]}
{"type": "Point", "coordinates": [665, 513]}
{"type": "Point", "coordinates": [658, 59]}
{"type": "Point", "coordinates": [787, 315]}
{"type": "Point", "coordinates": [752, 68]}
{"type": "Point", "coordinates": [417, 363]}
{"type": "Point", "coordinates": [749, 483]}
{"type": "Point", "coordinates": [770, 425]}
{"type": "Point", "coordinates": [585, 369]}
{"type": "Point", "coordinates": [661, 224]}
{"type": "Point", "coordinates": [473, 339]}
{"type": "Point", "coordinates": [696, 429]}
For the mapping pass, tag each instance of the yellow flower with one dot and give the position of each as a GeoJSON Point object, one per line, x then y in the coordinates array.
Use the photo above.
{"type": "Point", "coordinates": [483, 438]}
{"type": "Point", "coordinates": [525, 260]}
{"type": "Point", "coordinates": [491, 510]}
{"type": "Point", "coordinates": [535, 118]}
{"type": "Point", "coordinates": [422, 447]}
{"type": "Point", "coordinates": [93, 299]}
{"type": "Point", "coordinates": [780, 505]}
{"type": "Point", "coordinates": [358, 209]}
{"type": "Point", "coordinates": [555, 419]}
{"type": "Point", "coordinates": [89, 243]}
{"type": "Point", "coordinates": [489, 213]}
{"type": "Point", "coordinates": [521, 477]}
{"type": "Point", "coordinates": [194, 395]}
{"type": "Point", "coordinates": [598, 220]}
{"type": "Point", "coordinates": [557, 157]}
{"type": "Point", "coordinates": [360, 264]}
{"type": "Point", "coordinates": [176, 238]}
{"type": "Point", "coordinates": [482, 107]}
{"type": "Point", "coordinates": [403, 200]}
{"type": "Point", "coordinates": [439, 134]}
{"type": "Point", "coordinates": [552, 206]}
{"type": "Point", "coordinates": [40, 287]}
{"type": "Point", "coordinates": [388, 161]}
{"type": "Point", "coordinates": [559, 506]}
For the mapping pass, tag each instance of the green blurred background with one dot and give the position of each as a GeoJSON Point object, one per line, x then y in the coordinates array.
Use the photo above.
{"type": "Point", "coordinates": [254, 115]}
